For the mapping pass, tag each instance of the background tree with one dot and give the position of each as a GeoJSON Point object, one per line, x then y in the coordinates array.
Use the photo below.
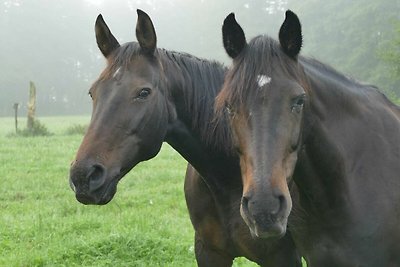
{"type": "Point", "coordinates": [390, 53]}
{"type": "Point", "coordinates": [349, 35]}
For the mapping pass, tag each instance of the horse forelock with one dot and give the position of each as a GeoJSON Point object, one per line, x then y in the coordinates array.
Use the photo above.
{"type": "Point", "coordinates": [253, 69]}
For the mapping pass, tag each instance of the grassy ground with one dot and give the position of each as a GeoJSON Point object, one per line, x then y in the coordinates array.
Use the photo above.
{"type": "Point", "coordinates": [41, 223]}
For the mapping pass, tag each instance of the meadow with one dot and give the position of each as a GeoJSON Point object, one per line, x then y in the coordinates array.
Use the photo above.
{"type": "Point", "coordinates": [41, 223]}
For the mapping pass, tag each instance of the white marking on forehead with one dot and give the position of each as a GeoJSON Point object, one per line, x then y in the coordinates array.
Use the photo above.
{"type": "Point", "coordinates": [116, 72]}
{"type": "Point", "coordinates": [263, 79]}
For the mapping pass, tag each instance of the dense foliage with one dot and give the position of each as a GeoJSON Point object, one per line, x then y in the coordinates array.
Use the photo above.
{"type": "Point", "coordinates": [351, 35]}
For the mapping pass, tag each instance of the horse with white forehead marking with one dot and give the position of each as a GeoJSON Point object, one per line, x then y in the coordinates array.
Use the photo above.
{"type": "Point", "coordinates": [338, 140]}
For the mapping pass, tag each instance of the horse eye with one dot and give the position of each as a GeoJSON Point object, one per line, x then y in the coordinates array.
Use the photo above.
{"type": "Point", "coordinates": [144, 93]}
{"type": "Point", "coordinates": [90, 94]}
{"type": "Point", "coordinates": [298, 103]}
{"type": "Point", "coordinates": [229, 109]}
{"type": "Point", "coordinates": [301, 101]}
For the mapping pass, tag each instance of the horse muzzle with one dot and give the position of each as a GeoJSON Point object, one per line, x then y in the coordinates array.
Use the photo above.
{"type": "Point", "coordinates": [92, 183]}
{"type": "Point", "coordinates": [265, 219]}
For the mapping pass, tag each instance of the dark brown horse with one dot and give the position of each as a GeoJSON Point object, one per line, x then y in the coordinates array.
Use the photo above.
{"type": "Point", "coordinates": [294, 118]}
{"type": "Point", "coordinates": [146, 96]}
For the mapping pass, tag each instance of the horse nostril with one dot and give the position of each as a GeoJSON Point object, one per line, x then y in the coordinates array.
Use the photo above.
{"type": "Point", "coordinates": [96, 177]}
{"type": "Point", "coordinates": [245, 202]}
{"type": "Point", "coordinates": [282, 205]}
{"type": "Point", "coordinates": [244, 206]}
{"type": "Point", "coordinates": [71, 184]}
{"type": "Point", "coordinates": [244, 209]}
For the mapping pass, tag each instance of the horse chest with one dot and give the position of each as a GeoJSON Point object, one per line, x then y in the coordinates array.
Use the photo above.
{"type": "Point", "coordinates": [347, 247]}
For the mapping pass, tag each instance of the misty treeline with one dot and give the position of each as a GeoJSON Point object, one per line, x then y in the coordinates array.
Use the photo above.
{"type": "Point", "coordinates": [52, 43]}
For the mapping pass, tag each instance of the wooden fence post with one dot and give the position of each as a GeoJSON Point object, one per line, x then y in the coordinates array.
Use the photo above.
{"type": "Point", "coordinates": [31, 105]}
{"type": "Point", "coordinates": [16, 117]}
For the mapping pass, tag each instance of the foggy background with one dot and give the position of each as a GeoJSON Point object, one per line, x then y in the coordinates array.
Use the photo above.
{"type": "Point", "coordinates": [52, 43]}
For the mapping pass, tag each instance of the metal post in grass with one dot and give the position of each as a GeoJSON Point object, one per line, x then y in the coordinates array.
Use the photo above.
{"type": "Point", "coordinates": [16, 116]}
{"type": "Point", "coordinates": [31, 106]}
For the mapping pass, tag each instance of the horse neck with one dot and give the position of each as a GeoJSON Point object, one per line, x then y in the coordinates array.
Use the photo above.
{"type": "Point", "coordinates": [332, 120]}
{"type": "Point", "coordinates": [192, 84]}
{"type": "Point", "coordinates": [350, 152]}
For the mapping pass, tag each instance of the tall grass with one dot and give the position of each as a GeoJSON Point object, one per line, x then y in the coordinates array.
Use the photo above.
{"type": "Point", "coordinates": [41, 223]}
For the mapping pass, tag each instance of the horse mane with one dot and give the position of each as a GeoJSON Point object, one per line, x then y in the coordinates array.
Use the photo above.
{"type": "Point", "coordinates": [332, 72]}
{"type": "Point", "coordinates": [201, 81]}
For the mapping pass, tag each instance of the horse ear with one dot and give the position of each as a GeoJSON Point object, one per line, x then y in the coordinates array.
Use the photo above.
{"type": "Point", "coordinates": [233, 36]}
{"type": "Point", "coordinates": [290, 35]}
{"type": "Point", "coordinates": [145, 33]}
{"type": "Point", "coordinates": [104, 38]}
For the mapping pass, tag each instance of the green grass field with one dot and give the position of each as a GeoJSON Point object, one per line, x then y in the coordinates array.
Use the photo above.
{"type": "Point", "coordinates": [41, 223]}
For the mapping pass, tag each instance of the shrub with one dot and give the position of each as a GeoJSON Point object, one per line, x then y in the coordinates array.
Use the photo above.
{"type": "Point", "coordinates": [38, 129]}
{"type": "Point", "coordinates": [76, 129]}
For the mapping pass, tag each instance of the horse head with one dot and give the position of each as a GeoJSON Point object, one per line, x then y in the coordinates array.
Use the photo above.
{"type": "Point", "coordinates": [264, 95]}
{"type": "Point", "coordinates": [130, 113]}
